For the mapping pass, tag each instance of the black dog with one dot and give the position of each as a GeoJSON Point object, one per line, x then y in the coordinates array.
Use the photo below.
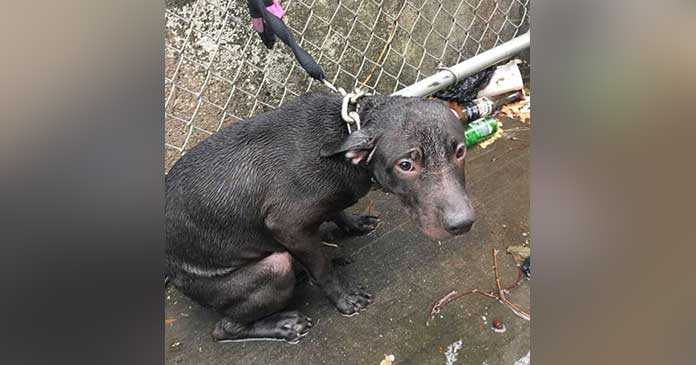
{"type": "Point", "coordinates": [246, 204]}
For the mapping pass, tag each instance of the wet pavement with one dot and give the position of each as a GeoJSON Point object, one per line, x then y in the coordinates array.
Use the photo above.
{"type": "Point", "coordinates": [406, 272]}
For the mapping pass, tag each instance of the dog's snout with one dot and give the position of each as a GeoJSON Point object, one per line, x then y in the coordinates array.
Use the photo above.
{"type": "Point", "coordinates": [459, 223]}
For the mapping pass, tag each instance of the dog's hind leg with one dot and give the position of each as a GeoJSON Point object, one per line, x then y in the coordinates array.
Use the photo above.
{"type": "Point", "coordinates": [251, 300]}
{"type": "Point", "coordinates": [287, 326]}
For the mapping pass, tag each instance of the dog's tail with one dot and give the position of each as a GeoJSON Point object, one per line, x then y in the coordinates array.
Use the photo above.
{"type": "Point", "coordinates": [278, 28]}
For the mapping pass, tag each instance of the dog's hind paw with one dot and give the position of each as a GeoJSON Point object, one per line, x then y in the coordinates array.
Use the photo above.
{"type": "Point", "coordinates": [287, 326]}
{"type": "Point", "coordinates": [293, 326]}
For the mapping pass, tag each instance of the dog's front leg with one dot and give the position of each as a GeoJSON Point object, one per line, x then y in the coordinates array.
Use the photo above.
{"type": "Point", "coordinates": [305, 246]}
{"type": "Point", "coordinates": [356, 224]}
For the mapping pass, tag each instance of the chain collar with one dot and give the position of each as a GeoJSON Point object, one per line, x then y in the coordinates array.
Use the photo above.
{"type": "Point", "coordinates": [350, 117]}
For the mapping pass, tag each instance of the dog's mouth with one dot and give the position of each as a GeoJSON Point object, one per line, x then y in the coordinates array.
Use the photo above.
{"type": "Point", "coordinates": [436, 233]}
{"type": "Point", "coordinates": [441, 234]}
{"type": "Point", "coordinates": [436, 230]}
{"type": "Point", "coordinates": [429, 226]}
{"type": "Point", "coordinates": [430, 222]}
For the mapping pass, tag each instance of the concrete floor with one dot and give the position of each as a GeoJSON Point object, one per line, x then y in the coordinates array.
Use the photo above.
{"type": "Point", "coordinates": [406, 272]}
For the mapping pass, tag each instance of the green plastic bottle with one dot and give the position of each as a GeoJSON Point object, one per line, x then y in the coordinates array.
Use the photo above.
{"type": "Point", "coordinates": [480, 129]}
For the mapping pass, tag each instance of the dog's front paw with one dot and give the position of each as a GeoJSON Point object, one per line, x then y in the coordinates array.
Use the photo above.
{"type": "Point", "coordinates": [358, 224]}
{"type": "Point", "coordinates": [353, 301]}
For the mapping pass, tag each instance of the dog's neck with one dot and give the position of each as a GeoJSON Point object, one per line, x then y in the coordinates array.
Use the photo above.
{"type": "Point", "coordinates": [366, 108]}
{"type": "Point", "coordinates": [368, 105]}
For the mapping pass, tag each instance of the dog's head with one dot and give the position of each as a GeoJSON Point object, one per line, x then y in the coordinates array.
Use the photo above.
{"type": "Point", "coordinates": [415, 150]}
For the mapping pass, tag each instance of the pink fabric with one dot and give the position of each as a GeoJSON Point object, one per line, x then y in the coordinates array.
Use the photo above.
{"type": "Point", "coordinates": [257, 24]}
{"type": "Point", "coordinates": [275, 9]}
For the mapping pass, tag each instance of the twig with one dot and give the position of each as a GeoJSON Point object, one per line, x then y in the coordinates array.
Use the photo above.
{"type": "Point", "coordinates": [501, 295]}
{"type": "Point", "coordinates": [506, 151]}
{"type": "Point", "coordinates": [453, 295]}
{"type": "Point", "coordinates": [436, 307]}
{"type": "Point", "coordinates": [517, 129]}
{"type": "Point", "coordinates": [517, 139]}
{"type": "Point", "coordinates": [517, 310]}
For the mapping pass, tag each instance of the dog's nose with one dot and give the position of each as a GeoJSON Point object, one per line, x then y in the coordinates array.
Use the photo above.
{"type": "Point", "coordinates": [458, 224]}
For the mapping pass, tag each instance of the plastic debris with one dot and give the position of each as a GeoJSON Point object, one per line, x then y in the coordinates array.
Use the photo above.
{"type": "Point", "coordinates": [524, 360]}
{"type": "Point", "coordinates": [466, 90]}
{"type": "Point", "coordinates": [388, 360]}
{"type": "Point", "coordinates": [505, 78]}
{"type": "Point", "coordinates": [480, 130]}
{"type": "Point", "coordinates": [527, 267]}
{"type": "Point", "coordinates": [496, 136]}
{"type": "Point", "coordinates": [452, 352]}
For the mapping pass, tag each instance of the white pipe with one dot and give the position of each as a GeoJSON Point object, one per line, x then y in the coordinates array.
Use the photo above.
{"type": "Point", "coordinates": [466, 68]}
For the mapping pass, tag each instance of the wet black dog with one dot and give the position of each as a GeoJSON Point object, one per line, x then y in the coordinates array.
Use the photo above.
{"type": "Point", "coordinates": [246, 204]}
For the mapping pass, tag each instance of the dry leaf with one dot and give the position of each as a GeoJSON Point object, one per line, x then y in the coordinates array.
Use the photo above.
{"type": "Point", "coordinates": [519, 252]}
{"type": "Point", "coordinates": [518, 110]}
{"type": "Point", "coordinates": [169, 321]}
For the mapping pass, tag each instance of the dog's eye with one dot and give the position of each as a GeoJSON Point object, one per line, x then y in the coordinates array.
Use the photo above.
{"type": "Point", "coordinates": [405, 165]}
{"type": "Point", "coordinates": [461, 150]}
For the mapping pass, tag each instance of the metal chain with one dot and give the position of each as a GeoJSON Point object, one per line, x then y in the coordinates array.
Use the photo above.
{"type": "Point", "coordinates": [350, 117]}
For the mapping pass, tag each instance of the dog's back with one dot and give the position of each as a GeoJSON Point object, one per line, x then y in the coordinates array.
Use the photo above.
{"type": "Point", "coordinates": [218, 193]}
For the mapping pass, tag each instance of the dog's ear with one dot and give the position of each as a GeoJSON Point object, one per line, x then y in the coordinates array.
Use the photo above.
{"type": "Point", "coordinates": [357, 147]}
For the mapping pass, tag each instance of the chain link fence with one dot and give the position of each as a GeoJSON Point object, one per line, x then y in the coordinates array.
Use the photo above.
{"type": "Point", "coordinates": [217, 70]}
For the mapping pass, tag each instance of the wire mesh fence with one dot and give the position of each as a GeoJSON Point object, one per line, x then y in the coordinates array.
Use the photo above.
{"type": "Point", "coordinates": [217, 70]}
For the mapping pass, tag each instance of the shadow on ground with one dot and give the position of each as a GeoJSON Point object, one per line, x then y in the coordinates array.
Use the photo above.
{"type": "Point", "coordinates": [406, 272]}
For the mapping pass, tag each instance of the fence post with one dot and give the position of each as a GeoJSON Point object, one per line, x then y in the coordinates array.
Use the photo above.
{"type": "Point", "coordinates": [451, 75]}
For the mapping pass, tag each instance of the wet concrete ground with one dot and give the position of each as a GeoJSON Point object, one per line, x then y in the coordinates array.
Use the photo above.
{"type": "Point", "coordinates": [406, 272]}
